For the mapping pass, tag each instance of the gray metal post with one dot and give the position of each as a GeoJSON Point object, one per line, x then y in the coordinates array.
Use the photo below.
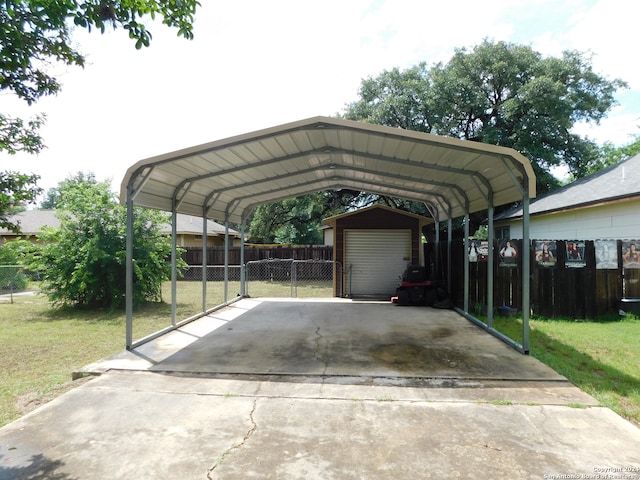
{"type": "Point", "coordinates": [243, 289]}
{"type": "Point", "coordinates": [466, 263]}
{"type": "Point", "coordinates": [174, 268]}
{"type": "Point", "coordinates": [226, 260]}
{"type": "Point", "coordinates": [204, 259]}
{"type": "Point", "coordinates": [436, 266]}
{"type": "Point", "coordinates": [449, 242]}
{"type": "Point", "coordinates": [129, 270]}
{"type": "Point", "coordinates": [490, 264]}
{"type": "Point", "coordinates": [526, 272]}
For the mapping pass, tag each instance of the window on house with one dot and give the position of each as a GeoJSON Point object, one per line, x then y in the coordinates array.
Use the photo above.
{"type": "Point", "coordinates": [503, 233]}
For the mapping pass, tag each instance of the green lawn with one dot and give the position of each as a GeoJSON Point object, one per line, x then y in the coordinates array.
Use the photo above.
{"type": "Point", "coordinates": [41, 346]}
{"type": "Point", "coordinates": [600, 357]}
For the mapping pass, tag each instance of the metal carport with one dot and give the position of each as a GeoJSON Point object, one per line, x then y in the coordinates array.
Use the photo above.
{"type": "Point", "coordinates": [226, 179]}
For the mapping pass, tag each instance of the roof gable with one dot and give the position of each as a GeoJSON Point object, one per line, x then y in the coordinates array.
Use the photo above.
{"type": "Point", "coordinates": [617, 182]}
{"type": "Point", "coordinates": [32, 222]}
{"type": "Point", "coordinates": [192, 225]}
{"type": "Point", "coordinates": [332, 220]}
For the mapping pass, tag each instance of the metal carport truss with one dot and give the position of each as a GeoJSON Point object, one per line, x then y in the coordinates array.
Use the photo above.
{"type": "Point", "coordinates": [226, 180]}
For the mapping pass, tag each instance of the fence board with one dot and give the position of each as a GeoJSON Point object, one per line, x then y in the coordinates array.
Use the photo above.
{"type": "Point", "coordinates": [575, 292]}
{"type": "Point", "coordinates": [215, 255]}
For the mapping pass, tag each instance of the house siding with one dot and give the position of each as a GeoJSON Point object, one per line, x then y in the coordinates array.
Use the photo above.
{"type": "Point", "coordinates": [616, 220]}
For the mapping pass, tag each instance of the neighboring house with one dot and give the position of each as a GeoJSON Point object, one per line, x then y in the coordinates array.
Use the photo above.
{"type": "Point", "coordinates": [604, 205]}
{"type": "Point", "coordinates": [31, 223]}
{"type": "Point", "coordinates": [189, 232]}
{"type": "Point", "coordinates": [188, 228]}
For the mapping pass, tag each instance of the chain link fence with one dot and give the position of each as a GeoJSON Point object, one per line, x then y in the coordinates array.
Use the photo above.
{"type": "Point", "coordinates": [292, 278]}
{"type": "Point", "coordinates": [271, 278]}
{"type": "Point", "coordinates": [12, 280]}
{"type": "Point", "coordinates": [215, 273]}
{"type": "Point", "coordinates": [309, 276]}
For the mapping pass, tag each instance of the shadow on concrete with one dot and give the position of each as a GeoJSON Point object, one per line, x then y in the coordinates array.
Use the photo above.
{"type": "Point", "coordinates": [36, 467]}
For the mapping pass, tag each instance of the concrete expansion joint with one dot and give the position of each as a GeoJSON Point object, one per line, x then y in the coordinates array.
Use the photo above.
{"type": "Point", "coordinates": [253, 427]}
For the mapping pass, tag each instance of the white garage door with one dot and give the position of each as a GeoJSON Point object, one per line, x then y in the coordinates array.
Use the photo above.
{"type": "Point", "coordinates": [375, 259]}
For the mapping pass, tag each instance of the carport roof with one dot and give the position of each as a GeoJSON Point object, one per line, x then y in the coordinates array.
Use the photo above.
{"type": "Point", "coordinates": [227, 179]}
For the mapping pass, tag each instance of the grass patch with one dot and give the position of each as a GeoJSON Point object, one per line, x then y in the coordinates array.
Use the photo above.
{"type": "Point", "coordinates": [600, 357]}
{"type": "Point", "coordinates": [41, 347]}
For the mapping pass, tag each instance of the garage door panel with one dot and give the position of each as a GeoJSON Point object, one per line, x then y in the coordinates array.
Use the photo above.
{"type": "Point", "coordinates": [375, 260]}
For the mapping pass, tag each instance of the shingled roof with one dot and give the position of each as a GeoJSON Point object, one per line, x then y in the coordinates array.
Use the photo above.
{"type": "Point", "coordinates": [31, 223]}
{"type": "Point", "coordinates": [617, 182]}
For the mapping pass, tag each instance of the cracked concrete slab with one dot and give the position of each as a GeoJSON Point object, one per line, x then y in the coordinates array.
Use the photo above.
{"type": "Point", "coordinates": [302, 389]}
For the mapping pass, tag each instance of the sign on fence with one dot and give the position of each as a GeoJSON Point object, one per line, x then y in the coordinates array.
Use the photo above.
{"type": "Point", "coordinates": [569, 278]}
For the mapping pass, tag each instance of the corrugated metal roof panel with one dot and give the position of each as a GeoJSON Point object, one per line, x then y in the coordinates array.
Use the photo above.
{"type": "Point", "coordinates": [230, 177]}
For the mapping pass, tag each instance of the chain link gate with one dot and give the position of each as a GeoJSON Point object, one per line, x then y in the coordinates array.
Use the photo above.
{"type": "Point", "coordinates": [316, 275]}
{"type": "Point", "coordinates": [288, 277]}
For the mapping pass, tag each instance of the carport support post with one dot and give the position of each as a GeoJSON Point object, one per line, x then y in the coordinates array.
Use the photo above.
{"type": "Point", "coordinates": [204, 259]}
{"type": "Point", "coordinates": [129, 270]}
{"type": "Point", "coordinates": [450, 243]}
{"type": "Point", "coordinates": [490, 263]}
{"type": "Point", "coordinates": [243, 289]}
{"type": "Point", "coordinates": [174, 267]}
{"type": "Point", "coordinates": [436, 265]}
{"type": "Point", "coordinates": [466, 262]}
{"type": "Point", "coordinates": [226, 258]}
{"type": "Point", "coordinates": [526, 271]}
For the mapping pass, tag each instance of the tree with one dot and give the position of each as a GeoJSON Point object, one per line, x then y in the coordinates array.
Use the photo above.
{"type": "Point", "coordinates": [83, 262]}
{"type": "Point", "coordinates": [298, 220]}
{"type": "Point", "coordinates": [53, 197]}
{"type": "Point", "coordinates": [36, 34]}
{"type": "Point", "coordinates": [502, 94]}
{"type": "Point", "coordinates": [15, 190]}
{"type": "Point", "coordinates": [611, 154]}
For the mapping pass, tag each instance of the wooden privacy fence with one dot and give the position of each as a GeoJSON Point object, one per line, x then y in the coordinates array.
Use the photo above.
{"type": "Point", "coordinates": [575, 280]}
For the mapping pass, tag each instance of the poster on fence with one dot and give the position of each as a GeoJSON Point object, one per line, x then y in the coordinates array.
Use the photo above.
{"type": "Point", "coordinates": [478, 250]}
{"type": "Point", "coordinates": [630, 254]}
{"type": "Point", "coordinates": [546, 254]}
{"type": "Point", "coordinates": [575, 254]}
{"type": "Point", "coordinates": [509, 253]}
{"type": "Point", "coordinates": [606, 254]}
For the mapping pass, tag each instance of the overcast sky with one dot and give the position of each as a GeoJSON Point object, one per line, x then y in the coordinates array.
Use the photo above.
{"type": "Point", "coordinates": [256, 63]}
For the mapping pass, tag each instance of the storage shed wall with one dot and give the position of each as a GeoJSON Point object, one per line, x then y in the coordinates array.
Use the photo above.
{"type": "Point", "coordinates": [378, 219]}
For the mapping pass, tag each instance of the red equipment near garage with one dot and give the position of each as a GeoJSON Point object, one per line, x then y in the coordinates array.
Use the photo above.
{"type": "Point", "coordinates": [414, 288]}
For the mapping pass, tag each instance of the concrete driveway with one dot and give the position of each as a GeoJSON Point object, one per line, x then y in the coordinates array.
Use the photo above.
{"type": "Point", "coordinates": [292, 389]}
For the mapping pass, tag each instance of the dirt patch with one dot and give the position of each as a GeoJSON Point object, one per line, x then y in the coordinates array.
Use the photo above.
{"type": "Point", "coordinates": [30, 401]}
{"type": "Point", "coordinates": [423, 358]}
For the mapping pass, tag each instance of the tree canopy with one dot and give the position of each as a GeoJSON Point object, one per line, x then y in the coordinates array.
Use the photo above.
{"type": "Point", "coordinates": [53, 196]}
{"type": "Point", "coordinates": [498, 93]}
{"type": "Point", "coordinates": [297, 220]}
{"type": "Point", "coordinates": [34, 35]}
